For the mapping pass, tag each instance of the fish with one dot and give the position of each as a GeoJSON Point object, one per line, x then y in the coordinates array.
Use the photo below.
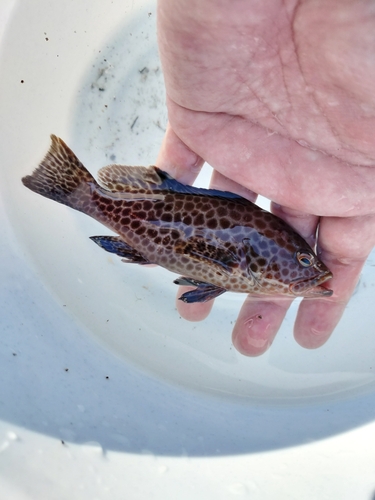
{"type": "Point", "coordinates": [217, 241]}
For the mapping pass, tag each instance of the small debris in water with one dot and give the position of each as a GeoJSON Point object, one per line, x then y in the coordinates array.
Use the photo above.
{"type": "Point", "coordinates": [134, 122]}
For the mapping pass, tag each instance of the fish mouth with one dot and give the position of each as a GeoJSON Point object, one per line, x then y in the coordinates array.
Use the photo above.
{"type": "Point", "coordinates": [312, 287]}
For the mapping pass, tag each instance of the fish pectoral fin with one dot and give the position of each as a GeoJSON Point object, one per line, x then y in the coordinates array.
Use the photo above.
{"type": "Point", "coordinates": [219, 258]}
{"type": "Point", "coordinates": [116, 245]}
{"type": "Point", "coordinates": [203, 293]}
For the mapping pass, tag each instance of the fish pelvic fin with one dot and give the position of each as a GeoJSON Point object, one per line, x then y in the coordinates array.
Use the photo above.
{"type": "Point", "coordinates": [202, 293]}
{"type": "Point", "coordinates": [61, 176]}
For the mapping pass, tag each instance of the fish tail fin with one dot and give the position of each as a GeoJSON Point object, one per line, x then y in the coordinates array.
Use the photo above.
{"type": "Point", "coordinates": [61, 177]}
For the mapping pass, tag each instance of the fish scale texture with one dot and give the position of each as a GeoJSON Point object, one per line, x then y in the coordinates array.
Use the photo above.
{"type": "Point", "coordinates": [219, 239]}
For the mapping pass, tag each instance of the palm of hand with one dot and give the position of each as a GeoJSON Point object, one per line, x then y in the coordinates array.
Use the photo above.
{"type": "Point", "coordinates": [283, 106]}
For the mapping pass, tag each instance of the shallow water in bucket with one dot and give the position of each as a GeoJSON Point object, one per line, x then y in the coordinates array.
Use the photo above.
{"type": "Point", "coordinates": [118, 115]}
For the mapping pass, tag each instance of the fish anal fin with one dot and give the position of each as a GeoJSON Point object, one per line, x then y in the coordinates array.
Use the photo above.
{"type": "Point", "coordinates": [116, 245]}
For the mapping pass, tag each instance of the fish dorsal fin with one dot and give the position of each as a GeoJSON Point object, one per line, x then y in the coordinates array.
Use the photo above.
{"type": "Point", "coordinates": [128, 179]}
{"type": "Point", "coordinates": [122, 178]}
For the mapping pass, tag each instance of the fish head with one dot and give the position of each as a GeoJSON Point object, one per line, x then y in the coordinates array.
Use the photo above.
{"type": "Point", "coordinates": [286, 264]}
{"type": "Point", "coordinates": [312, 274]}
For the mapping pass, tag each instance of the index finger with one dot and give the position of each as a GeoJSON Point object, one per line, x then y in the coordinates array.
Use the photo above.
{"type": "Point", "coordinates": [343, 245]}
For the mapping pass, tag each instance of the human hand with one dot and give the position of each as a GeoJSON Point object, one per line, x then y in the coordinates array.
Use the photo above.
{"type": "Point", "coordinates": [279, 98]}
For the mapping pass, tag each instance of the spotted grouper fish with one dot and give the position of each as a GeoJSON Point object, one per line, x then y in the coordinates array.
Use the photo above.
{"type": "Point", "coordinates": [217, 241]}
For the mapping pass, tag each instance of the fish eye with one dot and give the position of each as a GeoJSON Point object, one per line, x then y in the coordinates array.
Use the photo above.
{"type": "Point", "coordinates": [305, 259]}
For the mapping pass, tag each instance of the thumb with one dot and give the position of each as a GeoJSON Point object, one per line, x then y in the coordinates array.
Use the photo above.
{"type": "Point", "coordinates": [177, 159]}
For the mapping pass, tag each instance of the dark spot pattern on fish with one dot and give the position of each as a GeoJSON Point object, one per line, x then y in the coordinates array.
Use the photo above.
{"type": "Point", "coordinates": [216, 239]}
